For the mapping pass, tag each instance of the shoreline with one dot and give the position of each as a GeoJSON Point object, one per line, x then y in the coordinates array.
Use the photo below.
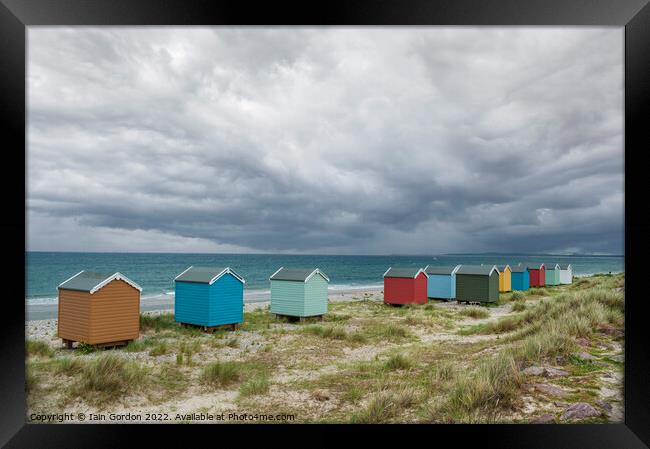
{"type": "Point", "coordinates": [46, 328]}
{"type": "Point", "coordinates": [163, 302]}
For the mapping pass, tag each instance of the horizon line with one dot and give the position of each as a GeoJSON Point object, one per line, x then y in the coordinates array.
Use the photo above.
{"type": "Point", "coordinates": [489, 253]}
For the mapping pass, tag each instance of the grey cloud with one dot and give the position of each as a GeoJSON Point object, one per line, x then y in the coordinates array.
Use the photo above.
{"type": "Point", "coordinates": [347, 140]}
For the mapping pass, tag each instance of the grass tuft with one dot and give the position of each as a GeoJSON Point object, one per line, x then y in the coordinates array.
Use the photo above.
{"type": "Point", "coordinates": [68, 366]}
{"type": "Point", "coordinates": [38, 347]}
{"type": "Point", "coordinates": [256, 386]}
{"type": "Point", "coordinates": [220, 374]}
{"type": "Point", "coordinates": [398, 362]}
{"type": "Point", "coordinates": [475, 312]}
{"type": "Point", "coordinates": [518, 306]}
{"type": "Point", "coordinates": [517, 296]}
{"type": "Point", "coordinates": [158, 323]}
{"type": "Point", "coordinates": [109, 377]}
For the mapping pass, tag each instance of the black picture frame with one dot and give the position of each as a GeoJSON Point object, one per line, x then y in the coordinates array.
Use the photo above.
{"type": "Point", "coordinates": [634, 15]}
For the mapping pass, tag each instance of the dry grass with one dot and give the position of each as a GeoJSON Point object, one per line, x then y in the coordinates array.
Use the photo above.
{"type": "Point", "coordinates": [366, 363]}
{"type": "Point", "coordinates": [38, 347]}
{"type": "Point", "coordinates": [518, 306]}
{"type": "Point", "coordinates": [398, 362]}
{"type": "Point", "coordinates": [475, 312]}
{"type": "Point", "coordinates": [108, 378]}
{"type": "Point", "coordinates": [220, 374]}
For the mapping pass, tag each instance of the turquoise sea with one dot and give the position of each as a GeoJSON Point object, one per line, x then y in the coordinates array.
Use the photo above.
{"type": "Point", "coordinates": [155, 271]}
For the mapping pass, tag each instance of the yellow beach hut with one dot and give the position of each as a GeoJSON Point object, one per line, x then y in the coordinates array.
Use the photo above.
{"type": "Point", "coordinates": [505, 278]}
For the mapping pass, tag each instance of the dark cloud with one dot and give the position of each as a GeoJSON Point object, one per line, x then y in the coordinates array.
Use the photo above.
{"type": "Point", "coordinates": [333, 140]}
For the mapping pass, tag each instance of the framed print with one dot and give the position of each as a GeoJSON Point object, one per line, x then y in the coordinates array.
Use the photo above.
{"type": "Point", "coordinates": [362, 216]}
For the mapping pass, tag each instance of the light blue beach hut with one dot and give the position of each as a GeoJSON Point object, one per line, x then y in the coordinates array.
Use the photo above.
{"type": "Point", "coordinates": [209, 296]}
{"type": "Point", "coordinates": [520, 278]}
{"type": "Point", "coordinates": [441, 282]}
{"type": "Point", "coordinates": [299, 292]}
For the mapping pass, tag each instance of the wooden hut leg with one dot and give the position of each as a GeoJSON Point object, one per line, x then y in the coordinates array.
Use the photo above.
{"type": "Point", "coordinates": [67, 343]}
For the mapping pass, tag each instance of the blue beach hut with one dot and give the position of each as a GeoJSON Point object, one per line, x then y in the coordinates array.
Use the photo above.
{"type": "Point", "coordinates": [441, 282]}
{"type": "Point", "coordinates": [520, 278]}
{"type": "Point", "coordinates": [209, 296]}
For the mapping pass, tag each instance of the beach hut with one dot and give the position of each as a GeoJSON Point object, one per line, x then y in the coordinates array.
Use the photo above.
{"type": "Point", "coordinates": [552, 274]}
{"type": "Point", "coordinates": [209, 296]}
{"type": "Point", "coordinates": [537, 275]}
{"type": "Point", "coordinates": [477, 283]}
{"type": "Point", "coordinates": [299, 292]}
{"type": "Point", "coordinates": [98, 309]}
{"type": "Point", "coordinates": [505, 278]}
{"type": "Point", "coordinates": [520, 278]}
{"type": "Point", "coordinates": [441, 281]}
{"type": "Point", "coordinates": [405, 285]}
{"type": "Point", "coordinates": [566, 274]}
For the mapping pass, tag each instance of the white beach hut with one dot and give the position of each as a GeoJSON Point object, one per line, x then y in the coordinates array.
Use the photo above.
{"type": "Point", "coordinates": [566, 274]}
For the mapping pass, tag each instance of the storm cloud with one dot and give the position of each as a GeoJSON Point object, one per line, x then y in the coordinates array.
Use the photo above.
{"type": "Point", "coordinates": [345, 140]}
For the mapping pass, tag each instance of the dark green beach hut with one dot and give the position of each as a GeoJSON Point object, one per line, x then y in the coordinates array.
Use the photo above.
{"type": "Point", "coordinates": [477, 283]}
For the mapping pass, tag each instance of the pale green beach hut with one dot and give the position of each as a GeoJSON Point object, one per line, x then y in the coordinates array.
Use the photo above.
{"type": "Point", "coordinates": [299, 292]}
{"type": "Point", "coordinates": [552, 274]}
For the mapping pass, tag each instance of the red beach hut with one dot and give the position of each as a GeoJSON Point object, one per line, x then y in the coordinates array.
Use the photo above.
{"type": "Point", "coordinates": [405, 286]}
{"type": "Point", "coordinates": [537, 274]}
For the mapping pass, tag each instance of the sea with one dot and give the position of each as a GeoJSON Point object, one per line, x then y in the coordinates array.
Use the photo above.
{"type": "Point", "coordinates": [155, 272]}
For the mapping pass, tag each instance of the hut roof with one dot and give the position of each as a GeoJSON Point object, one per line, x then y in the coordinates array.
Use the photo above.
{"type": "Point", "coordinates": [403, 272]}
{"type": "Point", "coordinates": [502, 268]}
{"type": "Point", "coordinates": [552, 266]}
{"type": "Point", "coordinates": [536, 266]}
{"type": "Point", "coordinates": [206, 275]}
{"type": "Point", "coordinates": [432, 269]}
{"type": "Point", "coordinates": [296, 274]}
{"type": "Point", "coordinates": [565, 266]}
{"type": "Point", "coordinates": [519, 268]}
{"type": "Point", "coordinates": [481, 270]}
{"type": "Point", "coordinates": [91, 281]}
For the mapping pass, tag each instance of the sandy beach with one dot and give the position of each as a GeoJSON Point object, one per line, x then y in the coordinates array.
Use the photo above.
{"type": "Point", "coordinates": [41, 318]}
{"type": "Point", "coordinates": [252, 300]}
{"type": "Point", "coordinates": [366, 362]}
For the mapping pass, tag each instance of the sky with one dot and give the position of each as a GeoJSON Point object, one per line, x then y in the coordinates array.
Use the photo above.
{"type": "Point", "coordinates": [325, 140]}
